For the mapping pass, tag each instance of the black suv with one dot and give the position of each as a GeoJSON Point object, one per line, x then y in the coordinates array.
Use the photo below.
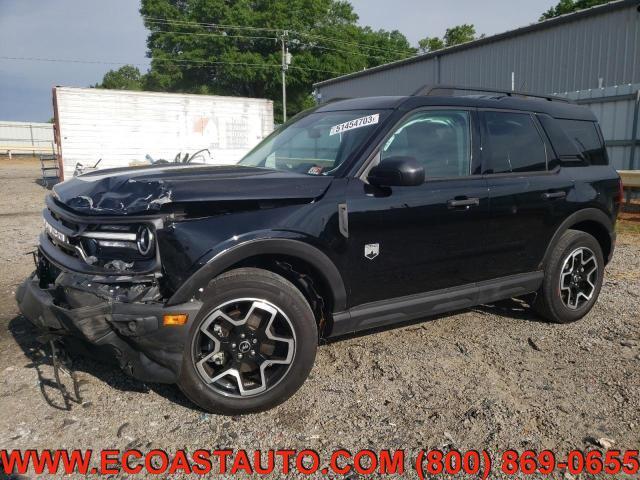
{"type": "Point", "coordinates": [357, 214]}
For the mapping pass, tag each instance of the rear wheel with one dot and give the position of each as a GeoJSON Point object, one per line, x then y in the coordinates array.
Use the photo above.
{"type": "Point", "coordinates": [252, 346]}
{"type": "Point", "coordinates": [573, 278]}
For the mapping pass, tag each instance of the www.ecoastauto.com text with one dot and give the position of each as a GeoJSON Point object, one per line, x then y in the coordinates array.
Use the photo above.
{"type": "Point", "coordinates": [479, 463]}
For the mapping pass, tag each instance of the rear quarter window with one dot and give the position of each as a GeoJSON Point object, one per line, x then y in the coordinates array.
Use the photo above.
{"type": "Point", "coordinates": [585, 137]}
{"type": "Point", "coordinates": [575, 140]}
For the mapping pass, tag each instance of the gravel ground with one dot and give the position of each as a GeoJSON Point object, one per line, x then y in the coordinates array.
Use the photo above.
{"type": "Point", "coordinates": [491, 377]}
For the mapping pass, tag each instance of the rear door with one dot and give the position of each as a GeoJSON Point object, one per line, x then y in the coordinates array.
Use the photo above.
{"type": "Point", "coordinates": [528, 191]}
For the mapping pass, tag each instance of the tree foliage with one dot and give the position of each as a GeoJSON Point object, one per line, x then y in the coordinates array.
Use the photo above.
{"type": "Point", "coordinates": [453, 36]}
{"type": "Point", "coordinates": [430, 44]}
{"type": "Point", "coordinates": [568, 6]}
{"type": "Point", "coordinates": [127, 77]}
{"type": "Point", "coordinates": [233, 47]}
{"type": "Point", "coordinates": [459, 34]}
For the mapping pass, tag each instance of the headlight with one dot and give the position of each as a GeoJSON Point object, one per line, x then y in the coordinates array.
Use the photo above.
{"type": "Point", "coordinates": [135, 241]}
{"type": "Point", "coordinates": [144, 240]}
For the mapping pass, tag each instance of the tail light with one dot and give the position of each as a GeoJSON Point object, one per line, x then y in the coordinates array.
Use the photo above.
{"type": "Point", "coordinates": [620, 197]}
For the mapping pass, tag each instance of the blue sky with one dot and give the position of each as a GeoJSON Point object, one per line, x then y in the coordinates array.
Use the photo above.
{"type": "Point", "coordinates": [112, 31]}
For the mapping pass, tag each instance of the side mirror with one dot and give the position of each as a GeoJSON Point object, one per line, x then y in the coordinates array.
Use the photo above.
{"type": "Point", "coordinates": [397, 172]}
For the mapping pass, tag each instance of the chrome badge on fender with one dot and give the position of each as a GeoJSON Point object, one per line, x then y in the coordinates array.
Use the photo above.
{"type": "Point", "coordinates": [371, 250]}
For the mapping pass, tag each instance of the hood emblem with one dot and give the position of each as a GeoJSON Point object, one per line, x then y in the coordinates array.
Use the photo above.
{"type": "Point", "coordinates": [371, 250]}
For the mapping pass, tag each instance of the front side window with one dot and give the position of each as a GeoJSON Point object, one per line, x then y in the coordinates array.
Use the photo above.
{"type": "Point", "coordinates": [439, 140]}
{"type": "Point", "coordinates": [317, 143]}
{"type": "Point", "coordinates": [513, 144]}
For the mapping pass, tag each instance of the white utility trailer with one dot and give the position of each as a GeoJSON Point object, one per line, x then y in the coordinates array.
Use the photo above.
{"type": "Point", "coordinates": [123, 128]}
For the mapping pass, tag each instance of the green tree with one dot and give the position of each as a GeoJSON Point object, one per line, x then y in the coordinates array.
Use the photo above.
{"type": "Point", "coordinates": [225, 47]}
{"type": "Point", "coordinates": [459, 34]}
{"type": "Point", "coordinates": [453, 36]}
{"type": "Point", "coordinates": [568, 6]}
{"type": "Point", "coordinates": [127, 77]}
{"type": "Point", "coordinates": [430, 44]}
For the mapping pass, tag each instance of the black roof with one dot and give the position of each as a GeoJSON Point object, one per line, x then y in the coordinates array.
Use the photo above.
{"type": "Point", "coordinates": [363, 103]}
{"type": "Point", "coordinates": [555, 109]}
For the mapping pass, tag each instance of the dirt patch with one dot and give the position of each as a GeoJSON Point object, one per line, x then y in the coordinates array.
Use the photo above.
{"type": "Point", "coordinates": [491, 377]}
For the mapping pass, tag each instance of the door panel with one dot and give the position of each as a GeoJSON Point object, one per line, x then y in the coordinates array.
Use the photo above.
{"type": "Point", "coordinates": [407, 240]}
{"type": "Point", "coordinates": [424, 244]}
{"type": "Point", "coordinates": [526, 201]}
{"type": "Point", "coordinates": [525, 213]}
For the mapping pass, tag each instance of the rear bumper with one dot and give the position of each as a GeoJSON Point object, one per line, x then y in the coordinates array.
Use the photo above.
{"type": "Point", "coordinates": [133, 333]}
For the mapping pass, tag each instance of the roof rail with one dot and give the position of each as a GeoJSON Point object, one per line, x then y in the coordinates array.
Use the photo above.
{"type": "Point", "coordinates": [428, 90]}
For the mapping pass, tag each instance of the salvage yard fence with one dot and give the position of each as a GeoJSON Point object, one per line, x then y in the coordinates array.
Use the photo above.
{"type": "Point", "coordinates": [26, 138]}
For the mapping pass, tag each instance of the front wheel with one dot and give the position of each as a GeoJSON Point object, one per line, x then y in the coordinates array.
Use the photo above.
{"type": "Point", "coordinates": [573, 278]}
{"type": "Point", "coordinates": [252, 346]}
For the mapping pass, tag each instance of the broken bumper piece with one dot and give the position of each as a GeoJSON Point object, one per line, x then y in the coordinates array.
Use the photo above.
{"type": "Point", "coordinates": [132, 333]}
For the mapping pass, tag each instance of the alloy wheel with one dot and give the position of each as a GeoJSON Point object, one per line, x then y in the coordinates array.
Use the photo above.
{"type": "Point", "coordinates": [578, 278]}
{"type": "Point", "coordinates": [244, 347]}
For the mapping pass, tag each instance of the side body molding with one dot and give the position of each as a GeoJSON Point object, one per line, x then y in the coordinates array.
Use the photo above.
{"type": "Point", "coordinates": [265, 246]}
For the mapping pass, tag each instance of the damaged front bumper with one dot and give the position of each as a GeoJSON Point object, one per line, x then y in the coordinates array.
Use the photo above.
{"type": "Point", "coordinates": [117, 320]}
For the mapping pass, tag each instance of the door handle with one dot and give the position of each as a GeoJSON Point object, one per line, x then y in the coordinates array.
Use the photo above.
{"type": "Point", "coordinates": [552, 195]}
{"type": "Point", "coordinates": [465, 202]}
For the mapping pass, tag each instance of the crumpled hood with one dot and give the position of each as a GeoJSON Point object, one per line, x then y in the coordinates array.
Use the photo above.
{"type": "Point", "coordinates": [125, 191]}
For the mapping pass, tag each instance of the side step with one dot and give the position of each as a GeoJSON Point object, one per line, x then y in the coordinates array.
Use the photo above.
{"type": "Point", "coordinates": [411, 307]}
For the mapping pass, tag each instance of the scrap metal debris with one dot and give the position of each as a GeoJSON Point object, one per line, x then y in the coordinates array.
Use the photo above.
{"type": "Point", "coordinates": [62, 366]}
{"type": "Point", "coordinates": [533, 344]}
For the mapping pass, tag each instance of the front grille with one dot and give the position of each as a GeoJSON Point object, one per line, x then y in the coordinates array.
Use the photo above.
{"type": "Point", "coordinates": [111, 246]}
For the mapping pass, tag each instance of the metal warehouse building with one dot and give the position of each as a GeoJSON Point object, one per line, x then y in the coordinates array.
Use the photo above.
{"type": "Point", "coordinates": [591, 56]}
{"type": "Point", "coordinates": [591, 48]}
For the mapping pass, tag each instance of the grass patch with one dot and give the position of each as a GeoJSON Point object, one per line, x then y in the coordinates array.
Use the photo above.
{"type": "Point", "coordinates": [627, 228]}
{"type": "Point", "coordinates": [629, 224]}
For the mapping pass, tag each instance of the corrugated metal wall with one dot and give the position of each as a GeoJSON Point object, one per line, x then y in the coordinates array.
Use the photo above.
{"type": "Point", "coordinates": [564, 54]}
{"type": "Point", "coordinates": [26, 137]}
{"type": "Point", "coordinates": [618, 111]}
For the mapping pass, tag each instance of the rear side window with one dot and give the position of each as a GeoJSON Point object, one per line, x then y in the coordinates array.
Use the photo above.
{"type": "Point", "coordinates": [585, 137]}
{"type": "Point", "coordinates": [512, 144]}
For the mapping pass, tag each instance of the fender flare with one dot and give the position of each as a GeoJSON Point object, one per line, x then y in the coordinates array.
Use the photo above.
{"type": "Point", "coordinates": [265, 246]}
{"type": "Point", "coordinates": [588, 214]}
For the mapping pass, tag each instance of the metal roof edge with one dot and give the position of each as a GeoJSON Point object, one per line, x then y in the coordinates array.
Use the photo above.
{"type": "Point", "coordinates": [566, 18]}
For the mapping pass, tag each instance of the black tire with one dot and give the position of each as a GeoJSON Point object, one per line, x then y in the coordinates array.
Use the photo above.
{"type": "Point", "coordinates": [252, 283]}
{"type": "Point", "coordinates": [551, 302]}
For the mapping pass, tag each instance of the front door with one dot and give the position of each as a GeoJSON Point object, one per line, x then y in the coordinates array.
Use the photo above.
{"type": "Point", "coordinates": [408, 240]}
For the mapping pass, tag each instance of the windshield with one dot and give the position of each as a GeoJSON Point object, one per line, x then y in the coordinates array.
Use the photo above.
{"type": "Point", "coordinates": [316, 144]}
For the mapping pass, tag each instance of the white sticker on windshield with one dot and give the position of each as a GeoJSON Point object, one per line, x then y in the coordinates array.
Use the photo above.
{"type": "Point", "coordinates": [357, 123]}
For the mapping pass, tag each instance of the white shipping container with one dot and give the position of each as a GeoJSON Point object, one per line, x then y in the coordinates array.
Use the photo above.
{"type": "Point", "coordinates": [121, 127]}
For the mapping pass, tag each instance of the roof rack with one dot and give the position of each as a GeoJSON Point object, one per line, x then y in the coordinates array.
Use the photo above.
{"type": "Point", "coordinates": [449, 90]}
